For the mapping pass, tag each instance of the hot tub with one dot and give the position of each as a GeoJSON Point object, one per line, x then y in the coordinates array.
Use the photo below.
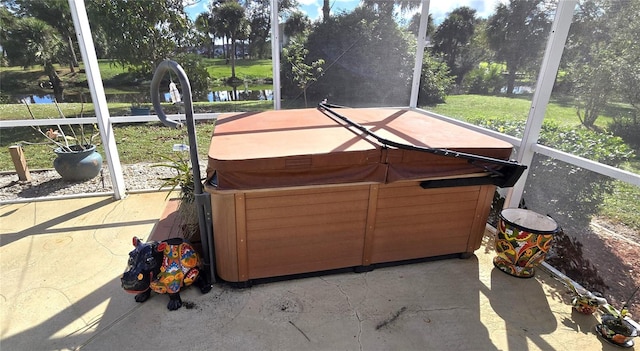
{"type": "Point", "coordinates": [294, 191]}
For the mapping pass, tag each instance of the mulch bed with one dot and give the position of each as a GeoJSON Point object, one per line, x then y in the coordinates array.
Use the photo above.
{"type": "Point", "coordinates": [606, 259]}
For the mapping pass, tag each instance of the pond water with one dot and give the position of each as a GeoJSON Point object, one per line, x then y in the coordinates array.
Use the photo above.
{"type": "Point", "coordinates": [237, 95]}
{"type": "Point", "coordinates": [211, 96]}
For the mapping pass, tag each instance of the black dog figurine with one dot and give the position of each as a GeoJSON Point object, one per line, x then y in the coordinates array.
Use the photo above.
{"type": "Point", "coordinates": [164, 267]}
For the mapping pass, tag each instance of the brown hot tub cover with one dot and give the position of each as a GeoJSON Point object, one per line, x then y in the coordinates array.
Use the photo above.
{"type": "Point", "coordinates": [305, 147]}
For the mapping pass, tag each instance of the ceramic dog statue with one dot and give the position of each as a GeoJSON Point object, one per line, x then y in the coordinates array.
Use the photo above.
{"type": "Point", "coordinates": [164, 267]}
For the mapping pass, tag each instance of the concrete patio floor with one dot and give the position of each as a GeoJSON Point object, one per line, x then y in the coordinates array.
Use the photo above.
{"type": "Point", "coordinates": [60, 289]}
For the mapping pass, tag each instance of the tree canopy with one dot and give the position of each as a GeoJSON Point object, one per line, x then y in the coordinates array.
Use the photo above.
{"type": "Point", "coordinates": [30, 41]}
{"type": "Point", "coordinates": [296, 23]}
{"type": "Point", "coordinates": [57, 14]}
{"type": "Point", "coordinates": [516, 32]}
{"type": "Point", "coordinates": [452, 38]}
{"type": "Point", "coordinates": [365, 48]}
{"type": "Point", "coordinates": [141, 33]}
{"type": "Point", "coordinates": [601, 58]}
{"type": "Point", "coordinates": [367, 59]}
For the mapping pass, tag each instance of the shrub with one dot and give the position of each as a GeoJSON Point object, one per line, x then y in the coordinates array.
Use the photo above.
{"type": "Point", "coordinates": [195, 68]}
{"type": "Point", "coordinates": [486, 79]}
{"type": "Point", "coordinates": [435, 82]}
{"type": "Point", "coordinates": [510, 127]}
{"type": "Point", "coordinates": [627, 128]}
{"type": "Point", "coordinates": [602, 147]}
{"type": "Point", "coordinates": [549, 179]}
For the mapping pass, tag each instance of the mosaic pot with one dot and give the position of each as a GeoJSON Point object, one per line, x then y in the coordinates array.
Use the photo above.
{"type": "Point", "coordinates": [524, 238]}
{"type": "Point", "coordinates": [585, 304]}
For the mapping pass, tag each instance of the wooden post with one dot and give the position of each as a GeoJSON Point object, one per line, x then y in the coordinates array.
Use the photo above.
{"type": "Point", "coordinates": [20, 163]}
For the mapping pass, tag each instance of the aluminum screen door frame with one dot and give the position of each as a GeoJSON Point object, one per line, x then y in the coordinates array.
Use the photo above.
{"type": "Point", "coordinates": [546, 79]}
{"type": "Point", "coordinates": [90, 60]}
{"type": "Point", "coordinates": [420, 45]}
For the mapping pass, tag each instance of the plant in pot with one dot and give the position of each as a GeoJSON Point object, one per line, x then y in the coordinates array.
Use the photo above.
{"type": "Point", "coordinates": [616, 326]}
{"type": "Point", "coordinates": [138, 107]}
{"type": "Point", "coordinates": [183, 179]}
{"type": "Point", "coordinates": [76, 156]}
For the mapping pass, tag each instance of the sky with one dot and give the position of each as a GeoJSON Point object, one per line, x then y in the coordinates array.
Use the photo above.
{"type": "Point", "coordinates": [313, 8]}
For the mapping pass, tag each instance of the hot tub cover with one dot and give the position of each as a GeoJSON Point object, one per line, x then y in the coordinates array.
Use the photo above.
{"type": "Point", "coordinates": [305, 147]}
{"type": "Point", "coordinates": [415, 128]}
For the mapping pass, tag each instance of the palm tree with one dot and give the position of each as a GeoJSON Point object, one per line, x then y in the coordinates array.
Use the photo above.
{"type": "Point", "coordinates": [230, 19]}
{"type": "Point", "coordinates": [387, 6]}
{"type": "Point", "coordinates": [56, 14]}
{"type": "Point", "coordinates": [325, 10]}
{"type": "Point", "coordinates": [33, 42]}
{"type": "Point", "coordinates": [204, 25]}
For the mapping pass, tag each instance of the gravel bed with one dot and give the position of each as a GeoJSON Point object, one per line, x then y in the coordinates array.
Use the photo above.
{"type": "Point", "coordinates": [47, 183]}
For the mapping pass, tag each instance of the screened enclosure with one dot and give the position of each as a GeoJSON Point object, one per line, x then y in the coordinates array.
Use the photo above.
{"type": "Point", "coordinates": [560, 80]}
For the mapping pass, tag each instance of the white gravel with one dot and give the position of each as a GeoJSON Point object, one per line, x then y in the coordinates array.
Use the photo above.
{"type": "Point", "coordinates": [47, 183]}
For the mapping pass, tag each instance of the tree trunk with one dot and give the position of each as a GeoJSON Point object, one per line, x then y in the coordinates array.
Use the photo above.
{"type": "Point", "coordinates": [233, 57]}
{"type": "Point", "coordinates": [304, 92]}
{"type": "Point", "coordinates": [73, 58]}
{"type": "Point", "coordinates": [325, 11]}
{"type": "Point", "coordinates": [590, 114]}
{"type": "Point", "coordinates": [224, 47]}
{"type": "Point", "coordinates": [55, 80]}
{"type": "Point", "coordinates": [511, 82]}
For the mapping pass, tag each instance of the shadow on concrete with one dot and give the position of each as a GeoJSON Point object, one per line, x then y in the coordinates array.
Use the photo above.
{"type": "Point", "coordinates": [47, 226]}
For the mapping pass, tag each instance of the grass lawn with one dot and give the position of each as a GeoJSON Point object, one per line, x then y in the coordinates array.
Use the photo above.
{"type": "Point", "coordinates": [70, 110]}
{"type": "Point", "coordinates": [217, 68]}
{"type": "Point", "coordinates": [245, 69]}
{"type": "Point", "coordinates": [504, 108]}
{"type": "Point", "coordinates": [623, 205]}
{"type": "Point", "coordinates": [109, 69]}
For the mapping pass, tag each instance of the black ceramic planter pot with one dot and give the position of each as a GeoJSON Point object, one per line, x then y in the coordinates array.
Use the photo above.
{"type": "Point", "coordinates": [78, 164]}
{"type": "Point", "coordinates": [618, 331]}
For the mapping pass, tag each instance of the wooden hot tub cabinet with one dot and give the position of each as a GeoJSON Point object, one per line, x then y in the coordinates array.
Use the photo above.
{"type": "Point", "coordinates": [295, 192]}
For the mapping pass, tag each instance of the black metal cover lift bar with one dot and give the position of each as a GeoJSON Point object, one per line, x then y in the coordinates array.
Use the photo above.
{"type": "Point", "coordinates": [506, 175]}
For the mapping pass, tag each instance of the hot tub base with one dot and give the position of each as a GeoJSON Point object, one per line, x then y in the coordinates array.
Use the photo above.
{"type": "Point", "coordinates": [281, 232]}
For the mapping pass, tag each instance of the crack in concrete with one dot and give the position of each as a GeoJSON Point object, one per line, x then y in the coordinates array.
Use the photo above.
{"type": "Point", "coordinates": [103, 221]}
{"type": "Point", "coordinates": [244, 305]}
{"type": "Point", "coordinates": [355, 312]}
{"type": "Point", "coordinates": [108, 327]}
